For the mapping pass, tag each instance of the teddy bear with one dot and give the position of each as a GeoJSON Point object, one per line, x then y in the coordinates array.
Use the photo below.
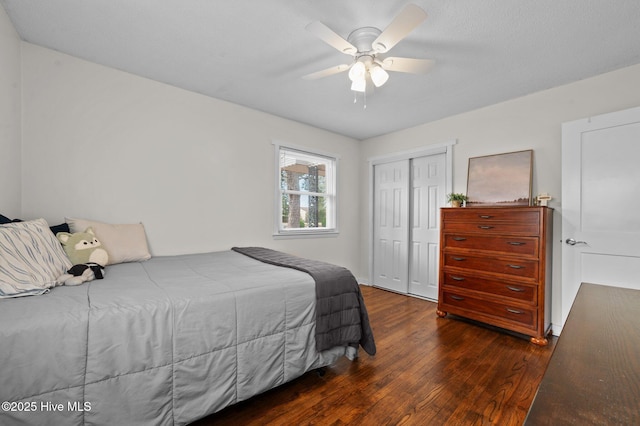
{"type": "Point", "coordinates": [87, 255]}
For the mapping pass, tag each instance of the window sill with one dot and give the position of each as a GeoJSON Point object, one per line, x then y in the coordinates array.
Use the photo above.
{"type": "Point", "coordinates": [306, 234]}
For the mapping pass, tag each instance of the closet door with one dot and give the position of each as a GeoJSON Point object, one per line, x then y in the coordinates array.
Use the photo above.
{"type": "Point", "coordinates": [391, 228]}
{"type": "Point", "coordinates": [407, 197]}
{"type": "Point", "coordinates": [428, 179]}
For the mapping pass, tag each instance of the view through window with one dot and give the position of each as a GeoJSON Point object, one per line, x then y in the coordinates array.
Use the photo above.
{"type": "Point", "coordinates": [307, 192]}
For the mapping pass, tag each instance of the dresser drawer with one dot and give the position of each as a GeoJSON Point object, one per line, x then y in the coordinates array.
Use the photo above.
{"type": "Point", "coordinates": [515, 267]}
{"type": "Point", "coordinates": [516, 291]}
{"type": "Point", "coordinates": [475, 214]}
{"type": "Point", "coordinates": [527, 246]}
{"type": "Point", "coordinates": [493, 227]}
{"type": "Point", "coordinates": [520, 315]}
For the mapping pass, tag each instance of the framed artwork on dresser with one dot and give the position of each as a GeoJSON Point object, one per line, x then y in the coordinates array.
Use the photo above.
{"type": "Point", "coordinates": [500, 179]}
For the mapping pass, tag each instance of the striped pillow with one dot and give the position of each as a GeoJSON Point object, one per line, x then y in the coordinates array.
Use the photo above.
{"type": "Point", "coordinates": [31, 259]}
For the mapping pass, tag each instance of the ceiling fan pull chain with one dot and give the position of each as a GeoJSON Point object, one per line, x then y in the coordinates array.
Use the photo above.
{"type": "Point", "coordinates": [364, 99]}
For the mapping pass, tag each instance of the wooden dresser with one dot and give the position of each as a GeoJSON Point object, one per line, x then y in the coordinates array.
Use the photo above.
{"type": "Point", "coordinates": [495, 267]}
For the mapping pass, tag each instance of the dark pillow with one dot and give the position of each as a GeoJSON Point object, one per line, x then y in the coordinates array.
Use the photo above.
{"type": "Point", "coordinates": [63, 227]}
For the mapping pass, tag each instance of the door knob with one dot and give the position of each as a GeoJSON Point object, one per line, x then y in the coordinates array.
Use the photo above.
{"type": "Point", "coordinates": [573, 242]}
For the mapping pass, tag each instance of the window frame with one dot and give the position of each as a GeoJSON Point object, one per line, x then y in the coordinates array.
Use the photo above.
{"type": "Point", "coordinates": [331, 194]}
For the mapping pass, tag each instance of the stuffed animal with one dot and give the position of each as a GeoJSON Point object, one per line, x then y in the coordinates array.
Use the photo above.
{"type": "Point", "coordinates": [82, 273]}
{"type": "Point", "coordinates": [83, 247]}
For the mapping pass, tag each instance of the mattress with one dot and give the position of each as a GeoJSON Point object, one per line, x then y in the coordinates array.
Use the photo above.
{"type": "Point", "coordinates": [162, 342]}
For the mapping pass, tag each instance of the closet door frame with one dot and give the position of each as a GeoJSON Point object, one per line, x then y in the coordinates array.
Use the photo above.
{"type": "Point", "coordinates": [441, 148]}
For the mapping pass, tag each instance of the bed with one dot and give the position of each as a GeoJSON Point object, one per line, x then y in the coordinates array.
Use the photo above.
{"type": "Point", "coordinates": [165, 341]}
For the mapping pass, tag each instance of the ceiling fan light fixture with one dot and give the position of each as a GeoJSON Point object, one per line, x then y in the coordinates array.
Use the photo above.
{"type": "Point", "coordinates": [378, 75]}
{"type": "Point", "coordinates": [359, 84]}
{"type": "Point", "coordinates": [357, 71]}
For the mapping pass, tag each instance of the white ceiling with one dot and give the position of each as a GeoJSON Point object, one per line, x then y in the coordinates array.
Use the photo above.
{"type": "Point", "coordinates": [254, 53]}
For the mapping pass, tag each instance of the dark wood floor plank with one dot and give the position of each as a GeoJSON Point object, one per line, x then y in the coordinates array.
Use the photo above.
{"type": "Point", "coordinates": [428, 370]}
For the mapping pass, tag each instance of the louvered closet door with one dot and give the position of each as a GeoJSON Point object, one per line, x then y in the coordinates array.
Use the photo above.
{"type": "Point", "coordinates": [427, 196]}
{"type": "Point", "coordinates": [391, 231]}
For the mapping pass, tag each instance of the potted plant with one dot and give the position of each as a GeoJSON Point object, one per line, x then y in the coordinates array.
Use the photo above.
{"type": "Point", "coordinates": [456, 200]}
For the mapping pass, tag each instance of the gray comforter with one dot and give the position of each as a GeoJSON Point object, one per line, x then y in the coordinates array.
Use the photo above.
{"type": "Point", "coordinates": [161, 342]}
{"type": "Point", "coordinates": [341, 315]}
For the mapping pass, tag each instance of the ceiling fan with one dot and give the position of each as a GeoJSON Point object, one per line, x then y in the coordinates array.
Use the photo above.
{"type": "Point", "coordinates": [368, 45]}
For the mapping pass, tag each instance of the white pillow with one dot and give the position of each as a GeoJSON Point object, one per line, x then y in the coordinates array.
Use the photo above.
{"type": "Point", "coordinates": [31, 259]}
{"type": "Point", "coordinates": [124, 243]}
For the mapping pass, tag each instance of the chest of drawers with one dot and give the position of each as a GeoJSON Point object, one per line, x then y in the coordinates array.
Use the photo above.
{"type": "Point", "coordinates": [495, 267]}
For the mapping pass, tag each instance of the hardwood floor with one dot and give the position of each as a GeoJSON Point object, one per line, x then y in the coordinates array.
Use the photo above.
{"type": "Point", "coordinates": [428, 371]}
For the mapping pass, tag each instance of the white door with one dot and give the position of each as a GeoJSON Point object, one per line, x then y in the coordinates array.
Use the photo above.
{"type": "Point", "coordinates": [428, 195]}
{"type": "Point", "coordinates": [600, 203]}
{"type": "Point", "coordinates": [391, 225]}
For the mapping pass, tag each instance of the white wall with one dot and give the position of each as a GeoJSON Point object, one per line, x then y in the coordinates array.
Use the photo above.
{"type": "Point", "coordinates": [198, 172]}
{"type": "Point", "coordinates": [10, 158]}
{"type": "Point", "coordinates": [530, 122]}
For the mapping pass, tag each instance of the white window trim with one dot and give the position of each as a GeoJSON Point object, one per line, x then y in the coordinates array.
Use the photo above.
{"type": "Point", "coordinates": [302, 232]}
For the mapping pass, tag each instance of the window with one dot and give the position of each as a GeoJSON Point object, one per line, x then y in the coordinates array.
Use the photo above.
{"type": "Point", "coordinates": [306, 196]}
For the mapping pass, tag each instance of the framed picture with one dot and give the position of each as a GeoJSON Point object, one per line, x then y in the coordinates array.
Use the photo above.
{"type": "Point", "coordinates": [501, 179]}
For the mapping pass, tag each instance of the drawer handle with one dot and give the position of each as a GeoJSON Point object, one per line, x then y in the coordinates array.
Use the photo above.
{"type": "Point", "coordinates": [515, 311]}
{"type": "Point", "coordinates": [516, 289]}
{"type": "Point", "coordinates": [459, 239]}
{"type": "Point", "coordinates": [485, 227]}
{"type": "Point", "coordinates": [515, 266]}
{"type": "Point", "coordinates": [453, 277]}
{"type": "Point", "coordinates": [456, 297]}
{"type": "Point", "coordinates": [515, 243]}
{"type": "Point", "coordinates": [459, 259]}
{"type": "Point", "coordinates": [484, 216]}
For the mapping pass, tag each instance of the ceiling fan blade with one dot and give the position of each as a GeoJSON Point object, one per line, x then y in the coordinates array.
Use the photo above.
{"type": "Point", "coordinates": [410, 17]}
{"type": "Point", "coordinates": [327, 35]}
{"type": "Point", "coordinates": [326, 72]}
{"type": "Point", "coordinates": [410, 65]}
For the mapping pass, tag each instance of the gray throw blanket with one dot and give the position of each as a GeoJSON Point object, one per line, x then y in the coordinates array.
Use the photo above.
{"type": "Point", "coordinates": [341, 316]}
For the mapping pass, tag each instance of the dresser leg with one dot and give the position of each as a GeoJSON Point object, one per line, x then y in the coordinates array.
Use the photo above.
{"type": "Point", "coordinates": [440, 313]}
{"type": "Point", "coordinates": [540, 341]}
